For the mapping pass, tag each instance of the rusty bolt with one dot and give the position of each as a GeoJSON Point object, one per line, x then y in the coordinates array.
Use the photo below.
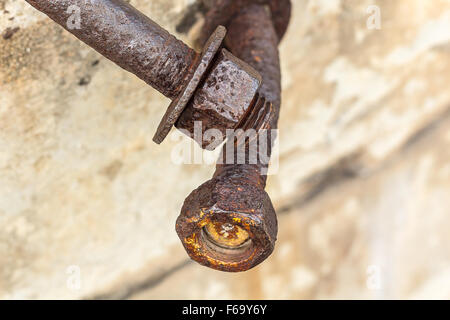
{"type": "Point", "coordinates": [136, 43]}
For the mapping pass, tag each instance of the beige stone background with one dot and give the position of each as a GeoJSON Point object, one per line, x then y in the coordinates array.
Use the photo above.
{"type": "Point", "coordinates": [362, 190]}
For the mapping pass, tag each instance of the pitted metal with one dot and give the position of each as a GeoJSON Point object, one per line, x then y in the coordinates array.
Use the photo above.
{"type": "Point", "coordinates": [178, 105]}
{"type": "Point", "coordinates": [222, 12]}
{"type": "Point", "coordinates": [223, 100]}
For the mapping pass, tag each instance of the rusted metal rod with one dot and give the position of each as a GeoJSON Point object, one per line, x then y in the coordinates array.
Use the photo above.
{"type": "Point", "coordinates": [124, 35]}
{"type": "Point", "coordinates": [229, 222]}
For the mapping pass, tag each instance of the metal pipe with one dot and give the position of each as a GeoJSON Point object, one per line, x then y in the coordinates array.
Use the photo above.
{"type": "Point", "coordinates": [252, 38]}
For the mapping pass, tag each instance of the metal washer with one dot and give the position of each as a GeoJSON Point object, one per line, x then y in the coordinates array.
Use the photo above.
{"type": "Point", "coordinates": [178, 105]}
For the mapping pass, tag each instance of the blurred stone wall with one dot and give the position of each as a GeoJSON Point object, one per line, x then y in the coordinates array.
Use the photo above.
{"type": "Point", "coordinates": [362, 183]}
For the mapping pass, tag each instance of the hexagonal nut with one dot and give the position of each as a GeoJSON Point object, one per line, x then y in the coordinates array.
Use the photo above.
{"type": "Point", "coordinates": [228, 205]}
{"type": "Point", "coordinates": [221, 102]}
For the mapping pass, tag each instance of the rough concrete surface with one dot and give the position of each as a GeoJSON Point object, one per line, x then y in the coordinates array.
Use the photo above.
{"type": "Point", "coordinates": [362, 182]}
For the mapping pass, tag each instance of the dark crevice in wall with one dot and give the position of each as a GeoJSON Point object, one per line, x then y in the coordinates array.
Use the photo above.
{"type": "Point", "coordinates": [9, 32]}
{"type": "Point", "coordinates": [426, 131]}
{"type": "Point", "coordinates": [347, 168]}
{"type": "Point", "coordinates": [352, 166]}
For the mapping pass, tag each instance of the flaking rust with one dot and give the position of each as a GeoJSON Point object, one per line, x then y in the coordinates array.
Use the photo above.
{"type": "Point", "coordinates": [227, 201]}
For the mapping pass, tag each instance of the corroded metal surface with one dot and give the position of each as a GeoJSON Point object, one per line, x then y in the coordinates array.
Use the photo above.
{"type": "Point", "coordinates": [252, 38]}
{"type": "Point", "coordinates": [222, 12]}
{"type": "Point", "coordinates": [235, 195]}
{"type": "Point", "coordinates": [224, 98]}
{"type": "Point", "coordinates": [178, 105]}
{"type": "Point", "coordinates": [228, 199]}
